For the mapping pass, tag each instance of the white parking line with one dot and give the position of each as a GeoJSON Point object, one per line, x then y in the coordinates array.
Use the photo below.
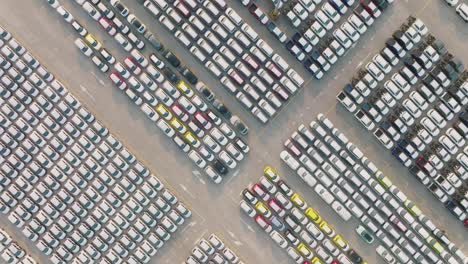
{"type": "Point", "coordinates": [235, 241]}
{"type": "Point", "coordinates": [98, 79]}
{"type": "Point", "coordinates": [198, 175]}
{"type": "Point", "coordinates": [189, 225]}
{"type": "Point", "coordinates": [85, 90]}
{"type": "Point", "coordinates": [235, 174]}
{"type": "Point", "coordinates": [248, 226]}
{"type": "Point", "coordinates": [186, 190]}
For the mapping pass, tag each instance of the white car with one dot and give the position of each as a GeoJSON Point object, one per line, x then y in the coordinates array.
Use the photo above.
{"type": "Point", "coordinates": [196, 158]}
{"type": "Point", "coordinates": [65, 14]}
{"type": "Point", "coordinates": [279, 239]}
{"type": "Point", "coordinates": [123, 41]}
{"type": "Point", "coordinates": [289, 160]}
{"type": "Point", "coordinates": [462, 10]}
{"type": "Point", "coordinates": [227, 159]}
{"type": "Point", "coordinates": [385, 255]}
{"type": "Point", "coordinates": [365, 120]}
{"type": "Point", "coordinates": [249, 210]}
{"type": "Point", "coordinates": [84, 48]}
{"type": "Point", "coordinates": [452, 2]}
{"type": "Point", "coordinates": [324, 193]}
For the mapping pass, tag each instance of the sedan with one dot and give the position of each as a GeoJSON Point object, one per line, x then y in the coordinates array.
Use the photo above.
{"type": "Point", "coordinates": [375, 71]}
{"type": "Point", "coordinates": [382, 63]}
{"type": "Point", "coordinates": [349, 30]}
{"type": "Point", "coordinates": [118, 80]}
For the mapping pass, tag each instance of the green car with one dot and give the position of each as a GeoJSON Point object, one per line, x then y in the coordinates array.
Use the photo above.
{"type": "Point", "coordinates": [365, 234]}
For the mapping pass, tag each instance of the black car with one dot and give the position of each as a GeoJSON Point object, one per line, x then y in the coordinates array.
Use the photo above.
{"type": "Point", "coordinates": [170, 75]}
{"type": "Point", "coordinates": [206, 92]}
{"type": "Point", "coordinates": [308, 65]}
{"type": "Point", "coordinates": [393, 46]}
{"type": "Point", "coordinates": [188, 74]}
{"type": "Point", "coordinates": [240, 126]}
{"type": "Point", "coordinates": [172, 59]}
{"type": "Point", "coordinates": [222, 109]}
{"type": "Point", "coordinates": [123, 10]}
{"type": "Point", "coordinates": [219, 167]}
{"type": "Point", "coordinates": [464, 118]}
{"type": "Point", "coordinates": [354, 257]}
{"type": "Point", "coordinates": [414, 66]}
{"type": "Point", "coordinates": [399, 38]}
{"type": "Point", "coordinates": [439, 46]}
{"type": "Point", "coordinates": [154, 42]}
{"type": "Point", "coordinates": [382, 4]}
{"type": "Point", "coordinates": [457, 64]}
{"type": "Point", "coordinates": [451, 73]}
{"type": "Point", "coordinates": [289, 45]}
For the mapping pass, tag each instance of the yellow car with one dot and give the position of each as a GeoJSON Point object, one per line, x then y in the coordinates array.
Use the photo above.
{"type": "Point", "coordinates": [316, 260]}
{"type": "Point", "coordinates": [299, 201]}
{"type": "Point", "coordinates": [184, 88]}
{"type": "Point", "coordinates": [435, 245]}
{"type": "Point", "coordinates": [93, 42]}
{"type": "Point", "coordinates": [271, 174]}
{"type": "Point", "coordinates": [192, 139]}
{"type": "Point", "coordinates": [313, 215]}
{"type": "Point", "coordinates": [305, 251]}
{"type": "Point", "coordinates": [175, 123]}
{"type": "Point", "coordinates": [384, 180]}
{"type": "Point", "coordinates": [341, 243]}
{"type": "Point", "coordinates": [327, 229]}
{"type": "Point", "coordinates": [164, 112]}
{"type": "Point", "coordinates": [412, 208]}
{"type": "Point", "coordinates": [261, 207]}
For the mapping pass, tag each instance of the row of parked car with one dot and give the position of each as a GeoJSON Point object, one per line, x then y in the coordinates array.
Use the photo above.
{"type": "Point", "coordinates": [461, 9]}
{"type": "Point", "coordinates": [184, 116]}
{"type": "Point", "coordinates": [294, 226]}
{"type": "Point", "coordinates": [11, 252]}
{"type": "Point", "coordinates": [352, 185]}
{"type": "Point", "coordinates": [70, 185]}
{"type": "Point", "coordinates": [230, 49]}
{"type": "Point", "coordinates": [213, 251]}
{"type": "Point", "coordinates": [136, 31]}
{"type": "Point", "coordinates": [411, 123]}
{"type": "Point", "coordinates": [318, 42]}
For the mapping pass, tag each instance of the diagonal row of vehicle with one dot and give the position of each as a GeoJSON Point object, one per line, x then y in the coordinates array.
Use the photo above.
{"type": "Point", "coordinates": [213, 251]}
{"type": "Point", "coordinates": [68, 184]}
{"type": "Point", "coordinates": [339, 172]}
{"type": "Point", "coordinates": [171, 59]}
{"type": "Point", "coordinates": [461, 9]}
{"type": "Point", "coordinates": [11, 252]}
{"type": "Point", "coordinates": [411, 123]}
{"type": "Point", "coordinates": [260, 79]}
{"type": "Point", "coordinates": [177, 110]}
{"type": "Point", "coordinates": [319, 41]}
{"type": "Point", "coordinates": [294, 226]}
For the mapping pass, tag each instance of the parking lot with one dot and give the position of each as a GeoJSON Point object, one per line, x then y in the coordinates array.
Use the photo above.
{"type": "Point", "coordinates": [216, 207]}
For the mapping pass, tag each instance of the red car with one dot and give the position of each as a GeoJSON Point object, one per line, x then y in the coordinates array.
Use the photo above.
{"type": "Point", "coordinates": [421, 162]}
{"type": "Point", "coordinates": [183, 10]}
{"type": "Point", "coordinates": [260, 192]}
{"type": "Point", "coordinates": [263, 223]}
{"type": "Point", "coordinates": [118, 80]}
{"type": "Point", "coordinates": [180, 112]}
{"type": "Point", "coordinates": [132, 65]}
{"type": "Point", "coordinates": [107, 25]}
{"type": "Point", "coordinates": [249, 60]}
{"type": "Point", "coordinates": [200, 117]}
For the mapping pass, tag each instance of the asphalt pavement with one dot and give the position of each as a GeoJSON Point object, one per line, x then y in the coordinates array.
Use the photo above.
{"type": "Point", "coordinates": [215, 207]}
